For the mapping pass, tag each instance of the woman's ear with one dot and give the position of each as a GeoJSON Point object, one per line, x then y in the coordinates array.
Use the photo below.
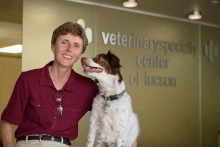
{"type": "Point", "coordinates": [52, 47]}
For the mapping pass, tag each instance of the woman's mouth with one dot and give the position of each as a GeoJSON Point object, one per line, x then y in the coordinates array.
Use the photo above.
{"type": "Point", "coordinates": [67, 56]}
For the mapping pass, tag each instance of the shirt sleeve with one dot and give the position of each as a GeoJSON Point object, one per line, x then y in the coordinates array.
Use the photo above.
{"type": "Point", "coordinates": [13, 113]}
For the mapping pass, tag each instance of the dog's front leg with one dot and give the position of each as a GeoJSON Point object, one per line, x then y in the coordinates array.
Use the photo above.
{"type": "Point", "coordinates": [121, 134]}
{"type": "Point", "coordinates": [122, 126]}
{"type": "Point", "coordinates": [120, 142]}
{"type": "Point", "coordinates": [121, 138]}
{"type": "Point", "coordinates": [91, 134]}
{"type": "Point", "coordinates": [92, 129]}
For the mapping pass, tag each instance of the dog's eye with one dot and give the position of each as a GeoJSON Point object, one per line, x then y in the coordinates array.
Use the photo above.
{"type": "Point", "coordinates": [98, 57]}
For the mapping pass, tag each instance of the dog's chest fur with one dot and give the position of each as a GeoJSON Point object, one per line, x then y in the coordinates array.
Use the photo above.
{"type": "Point", "coordinates": [109, 115]}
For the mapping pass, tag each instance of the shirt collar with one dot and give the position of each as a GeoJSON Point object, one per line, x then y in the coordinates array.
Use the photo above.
{"type": "Point", "coordinates": [45, 79]}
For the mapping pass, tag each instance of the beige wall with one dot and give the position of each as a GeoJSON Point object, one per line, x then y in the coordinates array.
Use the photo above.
{"type": "Point", "coordinates": [10, 33]}
{"type": "Point", "coordinates": [169, 116]}
{"type": "Point", "coordinates": [210, 88]}
{"type": "Point", "coordinates": [10, 64]}
{"type": "Point", "coordinates": [10, 69]}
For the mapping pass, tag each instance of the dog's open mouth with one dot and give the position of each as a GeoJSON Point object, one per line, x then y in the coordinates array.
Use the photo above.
{"type": "Point", "coordinates": [92, 69]}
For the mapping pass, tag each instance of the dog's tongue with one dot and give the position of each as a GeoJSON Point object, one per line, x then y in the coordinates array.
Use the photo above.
{"type": "Point", "coordinates": [90, 69]}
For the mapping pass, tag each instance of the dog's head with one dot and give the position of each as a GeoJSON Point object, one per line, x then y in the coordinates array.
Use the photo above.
{"type": "Point", "coordinates": [102, 65]}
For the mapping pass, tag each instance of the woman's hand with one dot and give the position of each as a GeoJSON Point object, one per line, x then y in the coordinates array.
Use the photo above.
{"type": "Point", "coordinates": [134, 144]}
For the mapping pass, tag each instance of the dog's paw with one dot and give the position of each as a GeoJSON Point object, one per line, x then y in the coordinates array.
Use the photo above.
{"type": "Point", "coordinates": [89, 143]}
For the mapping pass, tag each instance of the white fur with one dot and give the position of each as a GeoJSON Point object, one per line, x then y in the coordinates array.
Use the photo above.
{"type": "Point", "coordinates": [112, 123]}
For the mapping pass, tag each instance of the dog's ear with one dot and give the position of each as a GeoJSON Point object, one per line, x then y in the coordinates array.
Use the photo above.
{"type": "Point", "coordinates": [113, 60]}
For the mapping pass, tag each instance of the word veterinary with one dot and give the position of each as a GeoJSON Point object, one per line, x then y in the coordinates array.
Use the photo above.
{"type": "Point", "coordinates": [145, 43]}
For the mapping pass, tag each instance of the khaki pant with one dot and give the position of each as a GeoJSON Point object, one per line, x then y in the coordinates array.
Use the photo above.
{"type": "Point", "coordinates": [37, 143]}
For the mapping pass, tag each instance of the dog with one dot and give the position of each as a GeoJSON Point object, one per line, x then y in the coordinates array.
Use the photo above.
{"type": "Point", "coordinates": [112, 120]}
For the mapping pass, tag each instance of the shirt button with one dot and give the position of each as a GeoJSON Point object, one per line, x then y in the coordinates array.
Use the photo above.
{"type": "Point", "coordinates": [55, 117]}
{"type": "Point", "coordinates": [52, 126]}
{"type": "Point", "coordinates": [38, 105]}
{"type": "Point", "coordinates": [73, 109]}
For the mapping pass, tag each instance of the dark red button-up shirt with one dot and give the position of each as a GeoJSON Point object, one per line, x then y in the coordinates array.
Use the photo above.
{"type": "Point", "coordinates": [32, 105]}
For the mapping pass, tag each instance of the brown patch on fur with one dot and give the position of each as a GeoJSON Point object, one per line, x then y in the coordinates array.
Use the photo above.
{"type": "Point", "coordinates": [110, 62]}
{"type": "Point", "coordinates": [100, 59]}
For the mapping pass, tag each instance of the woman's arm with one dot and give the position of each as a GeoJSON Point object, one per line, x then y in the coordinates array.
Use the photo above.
{"type": "Point", "coordinates": [6, 134]}
{"type": "Point", "coordinates": [134, 144]}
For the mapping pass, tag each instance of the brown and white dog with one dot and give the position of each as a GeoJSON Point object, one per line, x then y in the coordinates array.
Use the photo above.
{"type": "Point", "coordinates": [112, 121]}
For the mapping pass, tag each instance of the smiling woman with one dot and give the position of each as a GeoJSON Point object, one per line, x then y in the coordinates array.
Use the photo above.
{"type": "Point", "coordinates": [56, 107]}
{"type": "Point", "coordinates": [67, 50]}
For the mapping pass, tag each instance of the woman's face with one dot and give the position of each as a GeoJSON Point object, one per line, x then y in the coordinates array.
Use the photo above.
{"type": "Point", "coordinates": [67, 50]}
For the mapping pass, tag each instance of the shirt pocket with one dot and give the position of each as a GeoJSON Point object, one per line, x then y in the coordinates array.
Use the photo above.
{"type": "Point", "coordinates": [71, 116]}
{"type": "Point", "coordinates": [40, 113]}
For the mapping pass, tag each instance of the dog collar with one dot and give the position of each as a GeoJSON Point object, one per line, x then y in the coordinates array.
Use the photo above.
{"type": "Point", "coordinates": [113, 97]}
